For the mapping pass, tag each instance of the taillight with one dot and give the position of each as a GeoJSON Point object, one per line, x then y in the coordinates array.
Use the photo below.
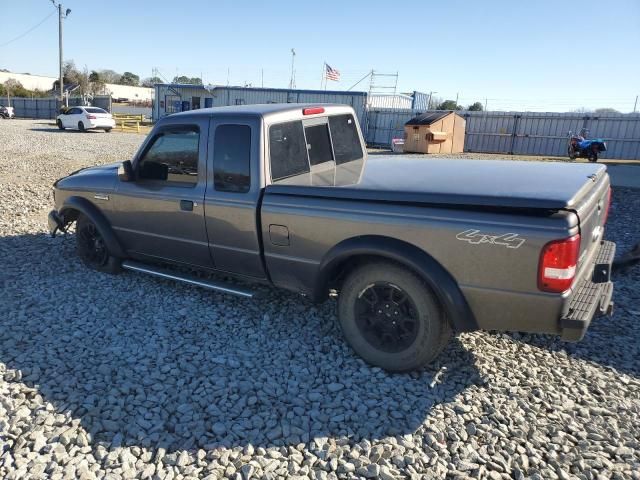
{"type": "Point", "coordinates": [558, 264]}
{"type": "Point", "coordinates": [606, 212]}
{"type": "Point", "coordinates": [91, 117]}
{"type": "Point", "coordinates": [312, 111]}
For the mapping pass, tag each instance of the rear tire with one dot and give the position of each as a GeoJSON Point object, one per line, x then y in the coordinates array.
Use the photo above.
{"type": "Point", "coordinates": [391, 318]}
{"type": "Point", "coordinates": [593, 156]}
{"type": "Point", "coordinates": [108, 130]}
{"type": "Point", "coordinates": [81, 126]}
{"type": "Point", "coordinates": [92, 249]}
{"type": "Point", "coordinates": [60, 126]}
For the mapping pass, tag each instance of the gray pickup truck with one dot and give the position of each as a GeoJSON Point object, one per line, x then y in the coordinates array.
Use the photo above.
{"type": "Point", "coordinates": [415, 249]}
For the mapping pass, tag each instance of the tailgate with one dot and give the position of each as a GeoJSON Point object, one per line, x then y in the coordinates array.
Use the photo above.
{"type": "Point", "coordinates": [592, 213]}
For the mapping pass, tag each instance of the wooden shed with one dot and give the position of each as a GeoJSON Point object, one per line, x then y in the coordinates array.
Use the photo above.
{"type": "Point", "coordinates": [435, 132]}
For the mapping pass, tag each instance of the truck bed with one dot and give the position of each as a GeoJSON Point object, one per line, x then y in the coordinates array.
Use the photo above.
{"type": "Point", "coordinates": [454, 182]}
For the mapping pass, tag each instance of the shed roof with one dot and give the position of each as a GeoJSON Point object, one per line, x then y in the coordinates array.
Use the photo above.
{"type": "Point", "coordinates": [428, 118]}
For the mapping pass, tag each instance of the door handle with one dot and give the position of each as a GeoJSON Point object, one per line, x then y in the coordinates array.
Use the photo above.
{"type": "Point", "coordinates": [186, 205]}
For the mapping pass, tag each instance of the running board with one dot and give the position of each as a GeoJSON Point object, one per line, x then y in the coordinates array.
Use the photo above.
{"type": "Point", "coordinates": [191, 280]}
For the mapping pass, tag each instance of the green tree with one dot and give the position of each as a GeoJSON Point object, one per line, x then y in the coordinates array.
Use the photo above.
{"type": "Point", "coordinates": [448, 105]}
{"type": "Point", "coordinates": [475, 107]}
{"type": "Point", "coordinates": [96, 83]}
{"type": "Point", "coordinates": [129, 78]}
{"type": "Point", "coordinates": [602, 111]}
{"type": "Point", "coordinates": [189, 80]}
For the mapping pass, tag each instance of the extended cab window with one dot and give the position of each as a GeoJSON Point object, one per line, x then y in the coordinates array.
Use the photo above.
{"type": "Point", "coordinates": [172, 157]}
{"type": "Point", "coordinates": [288, 150]}
{"type": "Point", "coordinates": [346, 142]}
{"type": "Point", "coordinates": [232, 158]}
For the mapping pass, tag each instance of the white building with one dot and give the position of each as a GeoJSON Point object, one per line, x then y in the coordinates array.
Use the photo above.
{"type": "Point", "coordinates": [45, 84]}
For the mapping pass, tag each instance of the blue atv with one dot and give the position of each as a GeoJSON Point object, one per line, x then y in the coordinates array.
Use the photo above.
{"type": "Point", "coordinates": [581, 147]}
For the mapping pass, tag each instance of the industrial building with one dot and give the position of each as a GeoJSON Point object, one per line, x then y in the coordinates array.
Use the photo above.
{"type": "Point", "coordinates": [172, 98]}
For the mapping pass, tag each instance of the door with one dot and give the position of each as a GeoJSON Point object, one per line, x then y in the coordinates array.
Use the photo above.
{"type": "Point", "coordinates": [72, 117]}
{"type": "Point", "coordinates": [195, 103]}
{"type": "Point", "coordinates": [233, 192]}
{"type": "Point", "coordinates": [161, 213]}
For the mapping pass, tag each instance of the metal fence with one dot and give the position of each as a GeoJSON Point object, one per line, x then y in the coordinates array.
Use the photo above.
{"type": "Point", "coordinates": [49, 108]}
{"type": "Point", "coordinates": [526, 133]}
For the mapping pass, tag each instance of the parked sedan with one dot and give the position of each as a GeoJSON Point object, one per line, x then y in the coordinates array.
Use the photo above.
{"type": "Point", "coordinates": [85, 118]}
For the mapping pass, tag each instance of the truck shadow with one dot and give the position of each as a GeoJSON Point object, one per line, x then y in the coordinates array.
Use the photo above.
{"type": "Point", "coordinates": [145, 362]}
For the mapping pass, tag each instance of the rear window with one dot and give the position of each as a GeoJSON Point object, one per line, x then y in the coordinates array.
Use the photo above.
{"type": "Point", "coordinates": [346, 142]}
{"type": "Point", "coordinates": [95, 110]}
{"type": "Point", "coordinates": [288, 150]}
{"type": "Point", "coordinates": [318, 144]}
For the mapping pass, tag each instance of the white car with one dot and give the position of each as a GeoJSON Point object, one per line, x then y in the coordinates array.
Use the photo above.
{"type": "Point", "coordinates": [6, 112]}
{"type": "Point", "coordinates": [85, 118]}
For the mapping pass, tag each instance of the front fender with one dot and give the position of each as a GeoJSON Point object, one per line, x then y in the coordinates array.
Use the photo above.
{"type": "Point", "coordinates": [433, 273]}
{"type": "Point", "coordinates": [84, 206]}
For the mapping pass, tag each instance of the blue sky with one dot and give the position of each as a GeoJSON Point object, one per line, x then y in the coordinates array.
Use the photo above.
{"type": "Point", "coordinates": [537, 55]}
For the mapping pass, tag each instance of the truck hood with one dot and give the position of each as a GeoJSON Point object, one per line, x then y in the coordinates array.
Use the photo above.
{"type": "Point", "coordinates": [445, 181]}
{"type": "Point", "coordinates": [102, 177]}
{"type": "Point", "coordinates": [500, 183]}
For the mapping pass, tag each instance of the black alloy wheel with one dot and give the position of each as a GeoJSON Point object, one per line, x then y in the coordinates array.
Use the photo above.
{"type": "Point", "coordinates": [91, 247]}
{"type": "Point", "coordinates": [386, 317]}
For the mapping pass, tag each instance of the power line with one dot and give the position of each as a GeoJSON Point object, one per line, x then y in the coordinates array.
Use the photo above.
{"type": "Point", "coordinates": [28, 31]}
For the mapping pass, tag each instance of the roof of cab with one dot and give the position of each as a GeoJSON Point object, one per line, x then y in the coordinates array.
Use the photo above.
{"type": "Point", "coordinates": [259, 109]}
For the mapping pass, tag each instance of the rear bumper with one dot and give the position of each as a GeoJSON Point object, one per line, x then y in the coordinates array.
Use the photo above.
{"type": "Point", "coordinates": [592, 297]}
{"type": "Point", "coordinates": [106, 123]}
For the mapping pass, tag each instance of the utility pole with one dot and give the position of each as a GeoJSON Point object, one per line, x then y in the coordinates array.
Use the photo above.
{"type": "Point", "coordinates": [61, 17]}
{"type": "Point", "coordinates": [485, 104]}
{"type": "Point", "coordinates": [635, 105]}
{"type": "Point", "coordinates": [292, 80]}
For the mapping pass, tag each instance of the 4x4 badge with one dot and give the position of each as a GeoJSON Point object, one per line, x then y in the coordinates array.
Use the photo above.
{"type": "Point", "coordinates": [476, 237]}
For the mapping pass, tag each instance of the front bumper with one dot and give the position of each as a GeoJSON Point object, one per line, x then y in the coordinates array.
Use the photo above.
{"type": "Point", "coordinates": [592, 296]}
{"type": "Point", "coordinates": [56, 222]}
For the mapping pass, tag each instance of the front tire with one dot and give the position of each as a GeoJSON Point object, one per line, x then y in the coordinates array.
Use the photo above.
{"type": "Point", "coordinates": [60, 126]}
{"type": "Point", "coordinates": [391, 318]}
{"type": "Point", "coordinates": [81, 126]}
{"type": "Point", "coordinates": [593, 155]}
{"type": "Point", "coordinates": [92, 249]}
{"type": "Point", "coordinates": [108, 130]}
{"type": "Point", "coordinates": [572, 154]}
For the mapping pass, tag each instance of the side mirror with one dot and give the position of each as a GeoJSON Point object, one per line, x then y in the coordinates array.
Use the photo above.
{"type": "Point", "coordinates": [125, 171]}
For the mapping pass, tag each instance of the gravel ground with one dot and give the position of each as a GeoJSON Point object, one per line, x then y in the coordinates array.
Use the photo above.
{"type": "Point", "coordinates": [131, 377]}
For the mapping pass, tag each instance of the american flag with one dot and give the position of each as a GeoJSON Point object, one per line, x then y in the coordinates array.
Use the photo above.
{"type": "Point", "coordinates": [331, 73]}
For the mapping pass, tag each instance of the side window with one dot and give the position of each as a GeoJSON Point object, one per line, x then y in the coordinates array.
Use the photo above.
{"type": "Point", "coordinates": [346, 142]}
{"type": "Point", "coordinates": [288, 150]}
{"type": "Point", "coordinates": [232, 158]}
{"type": "Point", "coordinates": [318, 144]}
{"type": "Point", "coordinates": [172, 157]}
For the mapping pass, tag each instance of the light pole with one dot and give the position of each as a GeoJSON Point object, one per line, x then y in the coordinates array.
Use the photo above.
{"type": "Point", "coordinates": [292, 81]}
{"type": "Point", "coordinates": [61, 16]}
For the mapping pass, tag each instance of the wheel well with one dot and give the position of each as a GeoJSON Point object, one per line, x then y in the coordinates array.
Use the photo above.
{"type": "Point", "coordinates": [70, 215]}
{"type": "Point", "coordinates": [344, 269]}
{"type": "Point", "coordinates": [352, 253]}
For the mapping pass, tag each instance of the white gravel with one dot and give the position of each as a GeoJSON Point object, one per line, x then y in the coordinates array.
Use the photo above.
{"type": "Point", "coordinates": [131, 377]}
